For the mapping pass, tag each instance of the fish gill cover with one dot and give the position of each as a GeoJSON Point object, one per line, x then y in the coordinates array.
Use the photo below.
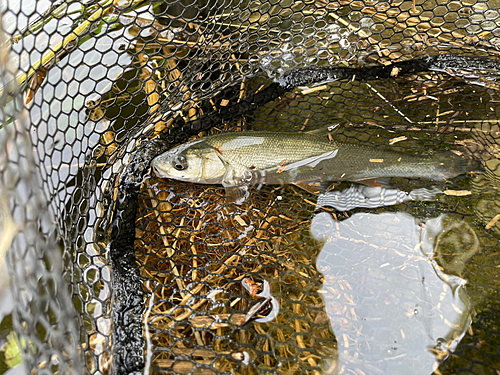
{"type": "Point", "coordinates": [113, 270]}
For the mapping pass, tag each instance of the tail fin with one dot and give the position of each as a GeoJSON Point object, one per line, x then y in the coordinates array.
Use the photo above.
{"type": "Point", "coordinates": [465, 165]}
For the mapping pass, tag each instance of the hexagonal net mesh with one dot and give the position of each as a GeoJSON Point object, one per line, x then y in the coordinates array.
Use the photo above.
{"type": "Point", "coordinates": [115, 269]}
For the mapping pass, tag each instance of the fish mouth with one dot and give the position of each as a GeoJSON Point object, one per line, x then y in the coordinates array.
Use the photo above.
{"type": "Point", "coordinates": [160, 173]}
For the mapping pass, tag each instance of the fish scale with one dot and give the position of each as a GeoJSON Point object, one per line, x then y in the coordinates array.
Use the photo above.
{"type": "Point", "coordinates": [269, 149]}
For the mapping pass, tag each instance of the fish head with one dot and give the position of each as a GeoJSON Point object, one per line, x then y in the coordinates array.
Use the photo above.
{"type": "Point", "coordinates": [190, 164]}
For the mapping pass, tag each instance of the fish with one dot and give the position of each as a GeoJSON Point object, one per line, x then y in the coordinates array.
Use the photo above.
{"type": "Point", "coordinates": [240, 160]}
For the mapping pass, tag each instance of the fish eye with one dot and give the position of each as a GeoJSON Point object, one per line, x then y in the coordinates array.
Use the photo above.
{"type": "Point", "coordinates": [180, 163]}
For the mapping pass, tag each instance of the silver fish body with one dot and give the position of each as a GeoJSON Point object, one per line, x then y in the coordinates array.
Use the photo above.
{"type": "Point", "coordinates": [239, 160]}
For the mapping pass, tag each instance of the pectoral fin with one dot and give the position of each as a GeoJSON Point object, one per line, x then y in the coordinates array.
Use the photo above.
{"type": "Point", "coordinates": [237, 185]}
{"type": "Point", "coordinates": [311, 162]}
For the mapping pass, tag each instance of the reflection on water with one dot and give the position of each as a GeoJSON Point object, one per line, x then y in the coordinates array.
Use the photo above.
{"type": "Point", "coordinates": [394, 309]}
{"type": "Point", "coordinates": [372, 196]}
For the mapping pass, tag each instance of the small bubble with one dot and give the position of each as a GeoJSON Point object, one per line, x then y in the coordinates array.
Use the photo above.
{"type": "Point", "coordinates": [286, 47]}
{"type": "Point", "coordinates": [344, 43]}
{"type": "Point", "coordinates": [366, 22]}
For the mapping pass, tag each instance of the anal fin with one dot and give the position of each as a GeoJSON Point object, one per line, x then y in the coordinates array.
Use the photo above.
{"type": "Point", "coordinates": [313, 187]}
{"type": "Point", "coordinates": [375, 182]}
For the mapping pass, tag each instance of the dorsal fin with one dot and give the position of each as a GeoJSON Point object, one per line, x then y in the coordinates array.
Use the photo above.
{"type": "Point", "coordinates": [325, 130]}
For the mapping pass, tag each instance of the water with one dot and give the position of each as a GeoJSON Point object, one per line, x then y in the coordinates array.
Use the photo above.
{"type": "Point", "coordinates": [391, 303]}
